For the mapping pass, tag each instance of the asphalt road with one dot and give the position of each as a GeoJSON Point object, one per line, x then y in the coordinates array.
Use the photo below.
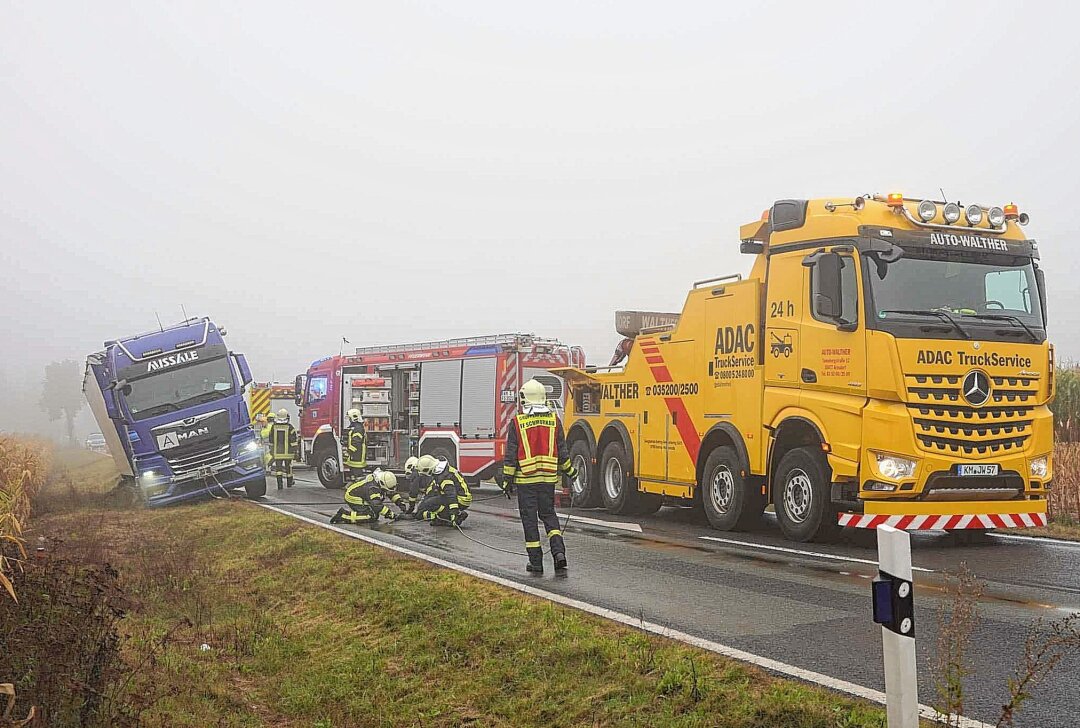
{"type": "Point", "coordinates": [755, 592]}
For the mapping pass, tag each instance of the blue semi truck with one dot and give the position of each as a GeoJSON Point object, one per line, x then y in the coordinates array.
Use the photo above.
{"type": "Point", "coordinates": [171, 406]}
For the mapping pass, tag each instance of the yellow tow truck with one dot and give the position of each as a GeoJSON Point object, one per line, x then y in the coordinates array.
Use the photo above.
{"type": "Point", "coordinates": [885, 362]}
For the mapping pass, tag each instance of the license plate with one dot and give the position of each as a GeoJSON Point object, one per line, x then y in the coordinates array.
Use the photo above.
{"type": "Point", "coordinates": [970, 470]}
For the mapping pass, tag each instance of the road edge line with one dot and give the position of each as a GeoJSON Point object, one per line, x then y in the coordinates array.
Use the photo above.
{"type": "Point", "coordinates": [801, 552]}
{"type": "Point", "coordinates": [765, 663]}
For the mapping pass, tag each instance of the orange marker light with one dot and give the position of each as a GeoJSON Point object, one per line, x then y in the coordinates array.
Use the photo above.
{"type": "Point", "coordinates": [1011, 211]}
{"type": "Point", "coordinates": [895, 199]}
{"type": "Point", "coordinates": [765, 215]}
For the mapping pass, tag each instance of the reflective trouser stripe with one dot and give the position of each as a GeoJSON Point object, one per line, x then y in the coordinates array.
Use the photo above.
{"type": "Point", "coordinates": [532, 544]}
{"type": "Point", "coordinates": [554, 532]}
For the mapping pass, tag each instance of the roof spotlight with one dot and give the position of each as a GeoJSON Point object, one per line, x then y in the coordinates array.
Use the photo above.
{"type": "Point", "coordinates": [927, 210]}
{"type": "Point", "coordinates": [995, 216]}
{"type": "Point", "coordinates": [974, 214]}
{"type": "Point", "coordinates": [951, 212]}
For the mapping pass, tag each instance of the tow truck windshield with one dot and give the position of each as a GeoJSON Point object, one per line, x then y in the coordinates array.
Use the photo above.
{"type": "Point", "coordinates": [173, 390]}
{"type": "Point", "coordinates": [993, 297]}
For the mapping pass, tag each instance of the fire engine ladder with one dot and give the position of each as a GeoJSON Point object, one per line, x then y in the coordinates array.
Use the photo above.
{"type": "Point", "coordinates": [516, 342]}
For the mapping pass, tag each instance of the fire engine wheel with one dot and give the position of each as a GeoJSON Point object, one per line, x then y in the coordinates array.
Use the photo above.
{"type": "Point", "coordinates": [326, 465]}
{"type": "Point", "coordinates": [619, 489]}
{"type": "Point", "coordinates": [441, 452]}
{"type": "Point", "coordinates": [801, 490]}
{"type": "Point", "coordinates": [584, 489]}
{"type": "Point", "coordinates": [725, 494]}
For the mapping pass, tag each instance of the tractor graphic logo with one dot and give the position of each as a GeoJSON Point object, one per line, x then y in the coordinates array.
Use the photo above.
{"type": "Point", "coordinates": [780, 346]}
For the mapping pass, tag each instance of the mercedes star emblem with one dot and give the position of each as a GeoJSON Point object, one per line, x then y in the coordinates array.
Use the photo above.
{"type": "Point", "coordinates": [976, 388]}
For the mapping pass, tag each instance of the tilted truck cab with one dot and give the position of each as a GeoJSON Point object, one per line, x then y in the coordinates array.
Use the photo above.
{"type": "Point", "coordinates": [884, 362]}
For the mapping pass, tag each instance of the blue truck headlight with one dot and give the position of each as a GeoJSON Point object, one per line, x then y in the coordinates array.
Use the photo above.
{"type": "Point", "coordinates": [252, 446]}
{"type": "Point", "coordinates": [1040, 466]}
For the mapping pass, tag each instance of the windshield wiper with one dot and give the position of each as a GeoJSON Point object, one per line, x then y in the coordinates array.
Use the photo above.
{"type": "Point", "coordinates": [1005, 317]}
{"type": "Point", "coordinates": [928, 312]}
{"type": "Point", "coordinates": [158, 409]}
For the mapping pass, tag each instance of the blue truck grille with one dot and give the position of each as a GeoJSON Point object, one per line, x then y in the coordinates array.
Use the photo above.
{"type": "Point", "coordinates": [187, 464]}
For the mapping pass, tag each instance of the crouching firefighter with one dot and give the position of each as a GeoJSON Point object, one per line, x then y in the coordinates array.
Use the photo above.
{"type": "Point", "coordinates": [368, 500]}
{"type": "Point", "coordinates": [447, 497]}
{"type": "Point", "coordinates": [415, 484]}
{"type": "Point", "coordinates": [536, 461]}
{"type": "Point", "coordinates": [354, 447]}
{"type": "Point", "coordinates": [284, 448]}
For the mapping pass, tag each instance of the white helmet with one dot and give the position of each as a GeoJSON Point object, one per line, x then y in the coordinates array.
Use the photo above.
{"type": "Point", "coordinates": [533, 393]}
{"type": "Point", "coordinates": [354, 415]}
{"type": "Point", "coordinates": [410, 465]}
{"type": "Point", "coordinates": [426, 465]}
{"type": "Point", "coordinates": [283, 416]}
{"type": "Point", "coordinates": [386, 479]}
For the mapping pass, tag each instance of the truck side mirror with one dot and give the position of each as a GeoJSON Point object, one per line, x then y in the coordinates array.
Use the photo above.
{"type": "Point", "coordinates": [298, 389]}
{"type": "Point", "coordinates": [1040, 280]}
{"type": "Point", "coordinates": [827, 286]}
{"type": "Point", "coordinates": [245, 370]}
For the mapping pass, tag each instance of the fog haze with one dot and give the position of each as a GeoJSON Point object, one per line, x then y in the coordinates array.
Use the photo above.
{"type": "Point", "coordinates": [402, 171]}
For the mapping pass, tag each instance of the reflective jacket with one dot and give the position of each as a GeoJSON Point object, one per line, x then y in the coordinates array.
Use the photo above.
{"type": "Point", "coordinates": [354, 445]}
{"type": "Point", "coordinates": [451, 482]}
{"type": "Point", "coordinates": [536, 449]}
{"type": "Point", "coordinates": [284, 442]}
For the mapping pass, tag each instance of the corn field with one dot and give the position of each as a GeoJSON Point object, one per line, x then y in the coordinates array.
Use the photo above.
{"type": "Point", "coordinates": [23, 464]}
{"type": "Point", "coordinates": [1064, 504]}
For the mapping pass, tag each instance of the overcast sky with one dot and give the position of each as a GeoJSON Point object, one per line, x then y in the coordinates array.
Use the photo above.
{"type": "Point", "coordinates": [399, 171]}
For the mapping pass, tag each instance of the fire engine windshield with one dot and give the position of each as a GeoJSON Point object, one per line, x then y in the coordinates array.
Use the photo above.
{"type": "Point", "coordinates": [173, 390]}
{"type": "Point", "coordinates": [986, 297]}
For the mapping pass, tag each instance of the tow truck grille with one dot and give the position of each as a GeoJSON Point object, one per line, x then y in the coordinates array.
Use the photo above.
{"type": "Point", "coordinates": [206, 459]}
{"type": "Point", "coordinates": [945, 424]}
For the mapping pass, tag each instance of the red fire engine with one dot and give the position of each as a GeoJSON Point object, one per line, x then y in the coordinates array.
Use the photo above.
{"type": "Point", "coordinates": [452, 399]}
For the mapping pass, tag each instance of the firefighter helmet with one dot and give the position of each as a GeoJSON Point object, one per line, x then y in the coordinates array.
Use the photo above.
{"type": "Point", "coordinates": [283, 415]}
{"type": "Point", "coordinates": [410, 465]}
{"type": "Point", "coordinates": [533, 393]}
{"type": "Point", "coordinates": [354, 415]}
{"type": "Point", "coordinates": [386, 479]}
{"type": "Point", "coordinates": [426, 465]}
{"type": "Point", "coordinates": [270, 416]}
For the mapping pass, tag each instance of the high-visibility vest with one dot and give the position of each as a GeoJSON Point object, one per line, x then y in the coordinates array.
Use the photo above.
{"type": "Point", "coordinates": [282, 441]}
{"type": "Point", "coordinates": [356, 448]}
{"type": "Point", "coordinates": [538, 459]}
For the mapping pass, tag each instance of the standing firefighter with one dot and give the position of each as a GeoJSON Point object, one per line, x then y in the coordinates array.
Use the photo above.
{"type": "Point", "coordinates": [284, 448]}
{"type": "Point", "coordinates": [366, 500]}
{"type": "Point", "coordinates": [447, 497]}
{"type": "Point", "coordinates": [264, 436]}
{"type": "Point", "coordinates": [354, 447]}
{"type": "Point", "coordinates": [536, 459]}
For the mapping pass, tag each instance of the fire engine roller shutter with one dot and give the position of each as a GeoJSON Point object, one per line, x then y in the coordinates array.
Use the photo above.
{"type": "Point", "coordinates": [478, 397]}
{"type": "Point", "coordinates": [440, 393]}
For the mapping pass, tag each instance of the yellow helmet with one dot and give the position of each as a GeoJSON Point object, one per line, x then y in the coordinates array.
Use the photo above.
{"type": "Point", "coordinates": [426, 464]}
{"type": "Point", "coordinates": [410, 465]}
{"type": "Point", "coordinates": [386, 479]}
{"type": "Point", "coordinates": [354, 415]}
{"type": "Point", "coordinates": [283, 415]}
{"type": "Point", "coordinates": [534, 393]}
{"type": "Point", "coordinates": [270, 416]}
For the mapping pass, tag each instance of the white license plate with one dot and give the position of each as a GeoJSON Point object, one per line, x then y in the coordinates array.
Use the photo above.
{"type": "Point", "coordinates": [969, 470]}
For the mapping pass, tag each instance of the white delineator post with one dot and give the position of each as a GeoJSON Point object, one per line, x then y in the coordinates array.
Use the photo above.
{"type": "Point", "coordinates": [898, 628]}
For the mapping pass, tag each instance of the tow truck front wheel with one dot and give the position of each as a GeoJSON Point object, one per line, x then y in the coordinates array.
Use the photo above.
{"type": "Point", "coordinates": [725, 494]}
{"type": "Point", "coordinates": [326, 465]}
{"type": "Point", "coordinates": [801, 491]}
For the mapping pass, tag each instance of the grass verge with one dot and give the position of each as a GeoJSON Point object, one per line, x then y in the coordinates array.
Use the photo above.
{"type": "Point", "coordinates": [236, 616]}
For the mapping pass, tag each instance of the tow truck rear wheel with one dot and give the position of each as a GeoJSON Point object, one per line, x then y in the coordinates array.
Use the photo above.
{"type": "Point", "coordinates": [801, 491]}
{"type": "Point", "coordinates": [326, 465]}
{"type": "Point", "coordinates": [584, 489]}
{"type": "Point", "coordinates": [725, 495]}
{"type": "Point", "coordinates": [618, 487]}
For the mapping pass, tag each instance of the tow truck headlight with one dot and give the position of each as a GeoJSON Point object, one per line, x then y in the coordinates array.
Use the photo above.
{"type": "Point", "coordinates": [927, 210]}
{"type": "Point", "coordinates": [894, 467]}
{"type": "Point", "coordinates": [951, 212]}
{"type": "Point", "coordinates": [1040, 466]}
{"type": "Point", "coordinates": [996, 216]}
{"type": "Point", "coordinates": [974, 214]}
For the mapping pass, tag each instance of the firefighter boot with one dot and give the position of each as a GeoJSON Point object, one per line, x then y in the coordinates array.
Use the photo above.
{"type": "Point", "coordinates": [291, 481]}
{"type": "Point", "coordinates": [560, 562]}
{"type": "Point", "coordinates": [279, 483]}
{"type": "Point", "coordinates": [337, 517]}
{"type": "Point", "coordinates": [536, 560]}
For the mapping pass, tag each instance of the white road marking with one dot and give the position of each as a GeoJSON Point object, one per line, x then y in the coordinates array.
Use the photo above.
{"type": "Point", "coordinates": [765, 663]}
{"type": "Point", "coordinates": [1037, 539]}
{"type": "Point", "coordinates": [636, 528]}
{"type": "Point", "coordinates": [800, 552]}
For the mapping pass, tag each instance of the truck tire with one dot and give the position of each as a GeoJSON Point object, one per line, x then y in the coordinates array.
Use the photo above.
{"type": "Point", "coordinates": [801, 489]}
{"type": "Point", "coordinates": [584, 490]}
{"type": "Point", "coordinates": [442, 452]}
{"type": "Point", "coordinates": [729, 501]}
{"type": "Point", "coordinates": [648, 503]}
{"type": "Point", "coordinates": [618, 488]}
{"type": "Point", "coordinates": [328, 468]}
{"type": "Point", "coordinates": [256, 488]}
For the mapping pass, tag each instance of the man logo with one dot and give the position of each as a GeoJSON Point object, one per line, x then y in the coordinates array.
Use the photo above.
{"type": "Point", "coordinates": [976, 388]}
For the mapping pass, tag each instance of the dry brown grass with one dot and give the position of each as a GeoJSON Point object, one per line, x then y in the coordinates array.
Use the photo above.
{"type": "Point", "coordinates": [1064, 501]}
{"type": "Point", "coordinates": [24, 463]}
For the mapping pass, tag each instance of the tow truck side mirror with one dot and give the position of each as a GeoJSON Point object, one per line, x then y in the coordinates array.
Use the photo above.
{"type": "Point", "coordinates": [1040, 280]}
{"type": "Point", "coordinates": [827, 288]}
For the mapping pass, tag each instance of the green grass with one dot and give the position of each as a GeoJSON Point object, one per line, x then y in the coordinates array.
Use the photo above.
{"type": "Point", "coordinates": [307, 628]}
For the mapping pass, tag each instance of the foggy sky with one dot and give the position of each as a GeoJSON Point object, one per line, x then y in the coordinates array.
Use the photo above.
{"type": "Point", "coordinates": [401, 171]}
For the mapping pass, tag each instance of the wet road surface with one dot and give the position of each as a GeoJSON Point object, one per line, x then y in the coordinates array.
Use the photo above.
{"type": "Point", "coordinates": [807, 605]}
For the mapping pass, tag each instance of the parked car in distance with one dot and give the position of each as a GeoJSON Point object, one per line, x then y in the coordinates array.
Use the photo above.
{"type": "Point", "coordinates": [96, 443]}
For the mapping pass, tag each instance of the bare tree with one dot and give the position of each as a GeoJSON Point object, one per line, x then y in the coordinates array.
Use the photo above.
{"type": "Point", "coordinates": [61, 395]}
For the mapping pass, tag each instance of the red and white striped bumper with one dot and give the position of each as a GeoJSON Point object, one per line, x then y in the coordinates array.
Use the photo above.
{"type": "Point", "coordinates": [945, 522]}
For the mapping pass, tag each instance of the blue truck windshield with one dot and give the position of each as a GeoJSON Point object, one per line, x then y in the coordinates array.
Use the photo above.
{"type": "Point", "coordinates": [176, 389]}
